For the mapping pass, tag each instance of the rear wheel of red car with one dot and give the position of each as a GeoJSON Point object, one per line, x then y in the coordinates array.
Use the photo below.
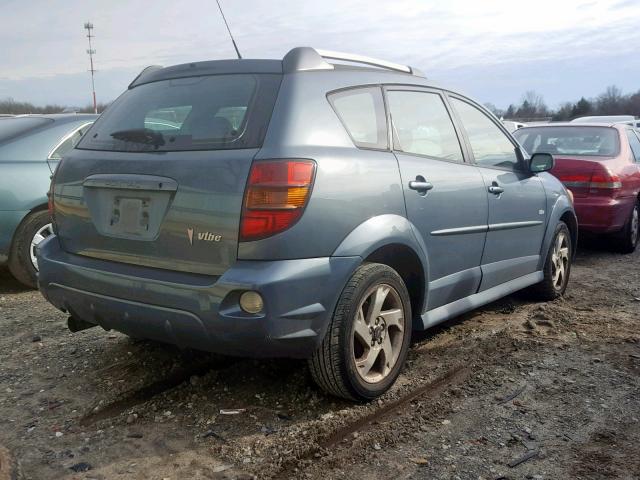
{"type": "Point", "coordinates": [628, 237]}
{"type": "Point", "coordinates": [23, 262]}
{"type": "Point", "coordinates": [557, 267]}
{"type": "Point", "coordinates": [367, 340]}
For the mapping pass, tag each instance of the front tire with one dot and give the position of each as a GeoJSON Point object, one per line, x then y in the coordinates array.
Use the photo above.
{"type": "Point", "coordinates": [367, 340]}
{"type": "Point", "coordinates": [23, 263]}
{"type": "Point", "coordinates": [628, 237]}
{"type": "Point", "coordinates": [557, 267]}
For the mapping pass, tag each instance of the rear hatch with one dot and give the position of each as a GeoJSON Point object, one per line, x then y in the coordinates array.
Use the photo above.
{"type": "Point", "coordinates": [159, 179]}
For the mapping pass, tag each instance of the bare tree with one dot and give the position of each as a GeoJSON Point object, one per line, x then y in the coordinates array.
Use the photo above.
{"type": "Point", "coordinates": [535, 103]}
{"type": "Point", "coordinates": [611, 101]}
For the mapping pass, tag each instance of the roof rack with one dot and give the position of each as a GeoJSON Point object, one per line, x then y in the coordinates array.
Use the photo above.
{"type": "Point", "coordinates": [307, 58]}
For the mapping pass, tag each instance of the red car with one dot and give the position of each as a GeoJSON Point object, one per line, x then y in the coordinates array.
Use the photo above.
{"type": "Point", "coordinates": [600, 165]}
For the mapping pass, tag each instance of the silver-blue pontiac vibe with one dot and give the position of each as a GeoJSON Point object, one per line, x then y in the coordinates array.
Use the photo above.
{"type": "Point", "coordinates": [321, 206]}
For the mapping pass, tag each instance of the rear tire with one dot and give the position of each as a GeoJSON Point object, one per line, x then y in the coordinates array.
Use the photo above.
{"type": "Point", "coordinates": [33, 229]}
{"type": "Point", "coordinates": [557, 267]}
{"type": "Point", "coordinates": [627, 240]}
{"type": "Point", "coordinates": [367, 340]}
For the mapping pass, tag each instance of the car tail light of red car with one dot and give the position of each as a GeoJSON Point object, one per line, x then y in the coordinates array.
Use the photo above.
{"type": "Point", "coordinates": [602, 178]}
{"type": "Point", "coordinates": [276, 195]}
{"type": "Point", "coordinates": [600, 181]}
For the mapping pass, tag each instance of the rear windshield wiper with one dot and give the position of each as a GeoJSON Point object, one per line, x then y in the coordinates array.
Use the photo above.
{"type": "Point", "coordinates": [140, 135]}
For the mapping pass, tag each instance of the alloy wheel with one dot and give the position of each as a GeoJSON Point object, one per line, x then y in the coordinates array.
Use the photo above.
{"type": "Point", "coordinates": [378, 333]}
{"type": "Point", "coordinates": [39, 236]}
{"type": "Point", "coordinates": [560, 261]}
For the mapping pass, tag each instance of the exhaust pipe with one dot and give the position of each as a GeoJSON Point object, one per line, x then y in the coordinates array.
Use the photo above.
{"type": "Point", "coordinates": [77, 325]}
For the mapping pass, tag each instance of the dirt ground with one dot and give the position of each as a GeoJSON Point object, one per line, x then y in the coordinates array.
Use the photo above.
{"type": "Point", "coordinates": [515, 390]}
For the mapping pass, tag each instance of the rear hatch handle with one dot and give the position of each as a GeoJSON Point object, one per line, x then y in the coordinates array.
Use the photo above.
{"type": "Point", "coordinates": [131, 182]}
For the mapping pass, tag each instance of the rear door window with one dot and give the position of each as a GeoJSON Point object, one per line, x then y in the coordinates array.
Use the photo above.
{"type": "Point", "coordinates": [362, 113]}
{"type": "Point", "coordinates": [214, 112]}
{"type": "Point", "coordinates": [490, 145]}
{"type": "Point", "coordinates": [422, 125]}
{"type": "Point", "coordinates": [69, 142]}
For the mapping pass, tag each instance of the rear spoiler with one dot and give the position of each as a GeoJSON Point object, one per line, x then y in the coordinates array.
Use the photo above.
{"type": "Point", "coordinates": [302, 59]}
{"type": "Point", "coordinates": [149, 69]}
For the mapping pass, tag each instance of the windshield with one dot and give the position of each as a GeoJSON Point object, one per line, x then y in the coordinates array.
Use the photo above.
{"type": "Point", "coordinates": [195, 113]}
{"type": "Point", "coordinates": [583, 141]}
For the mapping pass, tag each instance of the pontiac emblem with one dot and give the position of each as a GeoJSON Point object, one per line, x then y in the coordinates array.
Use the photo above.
{"type": "Point", "coordinates": [190, 235]}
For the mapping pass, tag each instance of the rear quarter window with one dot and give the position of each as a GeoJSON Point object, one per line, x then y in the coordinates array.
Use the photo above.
{"type": "Point", "coordinates": [361, 111]}
{"type": "Point", "coordinates": [214, 112]}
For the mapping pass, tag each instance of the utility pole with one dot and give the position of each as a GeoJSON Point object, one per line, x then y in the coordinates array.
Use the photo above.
{"type": "Point", "coordinates": [89, 27]}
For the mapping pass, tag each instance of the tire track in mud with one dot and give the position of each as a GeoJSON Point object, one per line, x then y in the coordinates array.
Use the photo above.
{"type": "Point", "coordinates": [495, 344]}
{"type": "Point", "coordinates": [148, 392]}
{"type": "Point", "coordinates": [455, 375]}
{"type": "Point", "coordinates": [7, 466]}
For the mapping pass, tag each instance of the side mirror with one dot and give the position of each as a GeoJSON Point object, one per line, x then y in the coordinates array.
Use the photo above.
{"type": "Point", "coordinates": [541, 162]}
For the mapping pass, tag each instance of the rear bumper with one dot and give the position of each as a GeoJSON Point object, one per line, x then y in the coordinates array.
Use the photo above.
{"type": "Point", "coordinates": [199, 311]}
{"type": "Point", "coordinates": [602, 214]}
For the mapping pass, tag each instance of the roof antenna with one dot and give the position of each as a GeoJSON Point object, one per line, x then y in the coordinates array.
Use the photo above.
{"type": "Point", "coordinates": [229, 30]}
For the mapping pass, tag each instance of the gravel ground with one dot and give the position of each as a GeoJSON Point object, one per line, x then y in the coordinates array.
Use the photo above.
{"type": "Point", "coordinates": [515, 390]}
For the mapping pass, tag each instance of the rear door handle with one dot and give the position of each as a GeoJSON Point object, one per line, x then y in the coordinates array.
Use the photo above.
{"type": "Point", "coordinates": [420, 185]}
{"type": "Point", "coordinates": [495, 189]}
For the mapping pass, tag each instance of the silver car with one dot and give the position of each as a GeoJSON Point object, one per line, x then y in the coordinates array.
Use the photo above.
{"type": "Point", "coordinates": [299, 208]}
{"type": "Point", "coordinates": [31, 147]}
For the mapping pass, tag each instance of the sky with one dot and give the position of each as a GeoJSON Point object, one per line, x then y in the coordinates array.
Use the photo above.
{"type": "Point", "coordinates": [493, 50]}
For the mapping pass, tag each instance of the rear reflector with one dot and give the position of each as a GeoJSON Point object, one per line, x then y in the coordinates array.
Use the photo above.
{"type": "Point", "coordinates": [276, 194]}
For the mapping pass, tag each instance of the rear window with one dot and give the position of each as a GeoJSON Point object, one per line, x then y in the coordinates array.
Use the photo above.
{"type": "Point", "coordinates": [13, 127]}
{"type": "Point", "coordinates": [583, 141]}
{"type": "Point", "coordinates": [196, 113]}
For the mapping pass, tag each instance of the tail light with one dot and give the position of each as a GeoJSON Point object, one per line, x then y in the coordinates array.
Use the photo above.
{"type": "Point", "coordinates": [275, 197]}
{"type": "Point", "coordinates": [599, 181]}
{"type": "Point", "coordinates": [575, 180]}
{"type": "Point", "coordinates": [603, 178]}
{"type": "Point", "coordinates": [50, 199]}
{"type": "Point", "coordinates": [51, 207]}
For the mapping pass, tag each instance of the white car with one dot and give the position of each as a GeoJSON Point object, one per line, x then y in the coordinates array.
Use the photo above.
{"type": "Point", "coordinates": [512, 126]}
{"type": "Point", "coordinates": [625, 119]}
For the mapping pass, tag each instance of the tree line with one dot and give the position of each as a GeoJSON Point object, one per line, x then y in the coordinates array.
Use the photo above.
{"type": "Point", "coordinates": [532, 106]}
{"type": "Point", "coordinates": [11, 107]}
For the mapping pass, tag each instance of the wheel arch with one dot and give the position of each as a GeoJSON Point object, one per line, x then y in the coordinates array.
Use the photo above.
{"type": "Point", "coordinates": [569, 218]}
{"type": "Point", "coordinates": [392, 240]}
{"type": "Point", "coordinates": [562, 212]}
{"type": "Point", "coordinates": [36, 209]}
{"type": "Point", "coordinates": [406, 262]}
